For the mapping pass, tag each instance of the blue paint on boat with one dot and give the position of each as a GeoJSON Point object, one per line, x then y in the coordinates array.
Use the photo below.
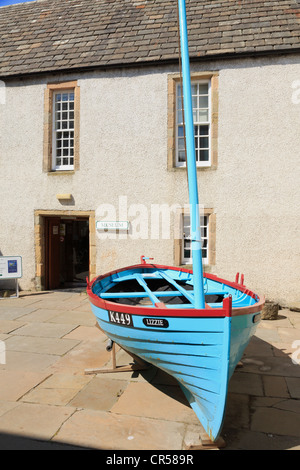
{"type": "Point", "coordinates": [198, 347]}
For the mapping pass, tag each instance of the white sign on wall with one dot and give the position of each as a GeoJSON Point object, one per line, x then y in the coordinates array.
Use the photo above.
{"type": "Point", "coordinates": [114, 225]}
{"type": "Point", "coordinates": [10, 267]}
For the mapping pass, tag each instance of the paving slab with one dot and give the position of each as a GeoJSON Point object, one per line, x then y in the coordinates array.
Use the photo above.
{"type": "Point", "coordinates": [109, 431]}
{"type": "Point", "coordinates": [44, 330]}
{"type": "Point", "coordinates": [14, 384]}
{"type": "Point", "coordinates": [275, 421]}
{"type": "Point", "coordinates": [101, 393]}
{"type": "Point", "coordinates": [166, 402]}
{"type": "Point", "coordinates": [27, 361]}
{"type": "Point", "coordinates": [39, 345]}
{"type": "Point", "coordinates": [34, 420]}
{"type": "Point", "coordinates": [47, 398]}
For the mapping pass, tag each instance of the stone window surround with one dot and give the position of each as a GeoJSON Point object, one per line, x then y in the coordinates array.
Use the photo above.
{"type": "Point", "coordinates": [48, 120]}
{"type": "Point", "coordinates": [173, 80]}
{"type": "Point", "coordinates": [39, 241]}
{"type": "Point", "coordinates": [178, 242]}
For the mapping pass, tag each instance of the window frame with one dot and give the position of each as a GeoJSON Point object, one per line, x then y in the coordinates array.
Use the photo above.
{"type": "Point", "coordinates": [49, 163]}
{"type": "Point", "coordinates": [188, 260]}
{"type": "Point", "coordinates": [62, 167]}
{"type": "Point", "coordinates": [210, 259]}
{"type": "Point", "coordinates": [199, 163]}
{"type": "Point", "coordinates": [173, 81]}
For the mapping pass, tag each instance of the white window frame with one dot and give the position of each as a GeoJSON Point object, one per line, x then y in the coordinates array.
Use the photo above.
{"type": "Point", "coordinates": [206, 163]}
{"type": "Point", "coordinates": [186, 238]}
{"type": "Point", "coordinates": [62, 167]}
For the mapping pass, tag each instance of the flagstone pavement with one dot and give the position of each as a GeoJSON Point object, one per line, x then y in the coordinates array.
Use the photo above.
{"type": "Point", "coordinates": [48, 401]}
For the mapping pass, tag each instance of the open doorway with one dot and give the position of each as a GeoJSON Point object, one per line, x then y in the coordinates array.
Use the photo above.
{"type": "Point", "coordinates": [66, 252]}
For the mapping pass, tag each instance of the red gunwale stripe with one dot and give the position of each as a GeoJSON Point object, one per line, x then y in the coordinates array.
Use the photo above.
{"type": "Point", "coordinates": [226, 311]}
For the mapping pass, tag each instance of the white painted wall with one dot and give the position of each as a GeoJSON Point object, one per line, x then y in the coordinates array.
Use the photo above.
{"type": "Point", "coordinates": [123, 152]}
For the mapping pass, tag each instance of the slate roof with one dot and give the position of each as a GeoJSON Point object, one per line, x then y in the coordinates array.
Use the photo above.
{"type": "Point", "coordinates": [59, 35]}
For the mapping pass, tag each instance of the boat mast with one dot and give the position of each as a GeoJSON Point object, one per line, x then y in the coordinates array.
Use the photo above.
{"type": "Point", "coordinates": [191, 160]}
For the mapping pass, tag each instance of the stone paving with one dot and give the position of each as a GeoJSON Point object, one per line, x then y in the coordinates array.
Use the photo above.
{"type": "Point", "coordinates": [48, 401]}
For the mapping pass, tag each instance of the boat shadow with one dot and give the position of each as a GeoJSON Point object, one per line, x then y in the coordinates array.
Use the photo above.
{"type": "Point", "coordinates": [263, 402]}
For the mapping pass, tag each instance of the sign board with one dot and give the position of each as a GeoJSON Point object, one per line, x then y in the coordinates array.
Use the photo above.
{"type": "Point", "coordinates": [10, 267]}
{"type": "Point", "coordinates": [114, 225]}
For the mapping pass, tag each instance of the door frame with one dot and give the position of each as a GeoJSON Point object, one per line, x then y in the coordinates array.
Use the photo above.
{"type": "Point", "coordinates": [40, 217]}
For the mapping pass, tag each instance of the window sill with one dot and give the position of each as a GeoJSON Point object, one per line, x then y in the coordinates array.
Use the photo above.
{"type": "Point", "coordinates": [199, 168]}
{"type": "Point", "coordinates": [206, 267]}
{"type": "Point", "coordinates": [61, 172]}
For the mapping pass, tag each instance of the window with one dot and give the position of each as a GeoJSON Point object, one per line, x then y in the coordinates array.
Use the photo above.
{"type": "Point", "coordinates": [205, 97]}
{"type": "Point", "coordinates": [201, 117]}
{"type": "Point", "coordinates": [182, 237]}
{"type": "Point", "coordinates": [61, 130]}
{"type": "Point", "coordinates": [186, 255]}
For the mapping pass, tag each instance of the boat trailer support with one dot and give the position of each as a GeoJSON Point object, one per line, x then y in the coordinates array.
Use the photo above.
{"type": "Point", "coordinates": [203, 442]}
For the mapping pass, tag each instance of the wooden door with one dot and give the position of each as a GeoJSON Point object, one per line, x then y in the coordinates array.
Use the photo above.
{"type": "Point", "coordinates": [52, 253]}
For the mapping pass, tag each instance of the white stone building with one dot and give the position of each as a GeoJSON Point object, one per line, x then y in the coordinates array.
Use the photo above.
{"type": "Point", "coordinates": [90, 131]}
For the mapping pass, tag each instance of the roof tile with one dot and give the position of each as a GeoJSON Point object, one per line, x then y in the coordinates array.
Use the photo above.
{"type": "Point", "coordinates": [55, 35]}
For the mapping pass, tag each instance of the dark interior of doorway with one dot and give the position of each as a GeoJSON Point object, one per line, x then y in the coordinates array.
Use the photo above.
{"type": "Point", "coordinates": [67, 252]}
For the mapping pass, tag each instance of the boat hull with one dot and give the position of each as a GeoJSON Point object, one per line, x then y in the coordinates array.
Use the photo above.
{"type": "Point", "coordinates": [199, 348]}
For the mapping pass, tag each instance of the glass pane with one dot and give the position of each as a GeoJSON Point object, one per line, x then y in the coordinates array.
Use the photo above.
{"type": "Point", "coordinates": [203, 102]}
{"type": "Point", "coordinates": [187, 254]}
{"type": "Point", "coordinates": [65, 153]}
{"type": "Point", "coordinates": [65, 161]}
{"type": "Point", "coordinates": [203, 88]}
{"type": "Point", "coordinates": [202, 115]}
{"type": "Point", "coordinates": [66, 143]}
{"type": "Point", "coordinates": [58, 97]}
{"type": "Point", "coordinates": [65, 125]}
{"type": "Point", "coordinates": [204, 142]}
{"type": "Point", "coordinates": [71, 115]}
{"type": "Point", "coordinates": [57, 106]}
{"type": "Point", "coordinates": [65, 115]}
{"type": "Point", "coordinates": [204, 155]}
{"type": "Point", "coordinates": [203, 130]}
{"type": "Point", "coordinates": [65, 106]}
{"type": "Point", "coordinates": [179, 116]}
{"type": "Point", "coordinates": [58, 161]}
{"type": "Point", "coordinates": [71, 124]}
{"type": "Point", "coordinates": [71, 161]}
{"type": "Point", "coordinates": [71, 106]}
{"type": "Point", "coordinates": [180, 131]}
{"type": "Point", "coordinates": [181, 156]}
{"type": "Point", "coordinates": [65, 97]}
{"type": "Point", "coordinates": [186, 224]}
{"type": "Point", "coordinates": [58, 152]}
{"type": "Point", "coordinates": [194, 89]}
{"type": "Point", "coordinates": [72, 152]}
{"type": "Point", "coordinates": [71, 96]}
{"type": "Point", "coordinates": [181, 144]}
{"type": "Point", "coordinates": [203, 232]}
{"type": "Point", "coordinates": [58, 143]}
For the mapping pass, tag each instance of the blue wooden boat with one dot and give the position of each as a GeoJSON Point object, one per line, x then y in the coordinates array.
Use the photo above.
{"type": "Point", "coordinates": [193, 325]}
{"type": "Point", "coordinates": [149, 311]}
